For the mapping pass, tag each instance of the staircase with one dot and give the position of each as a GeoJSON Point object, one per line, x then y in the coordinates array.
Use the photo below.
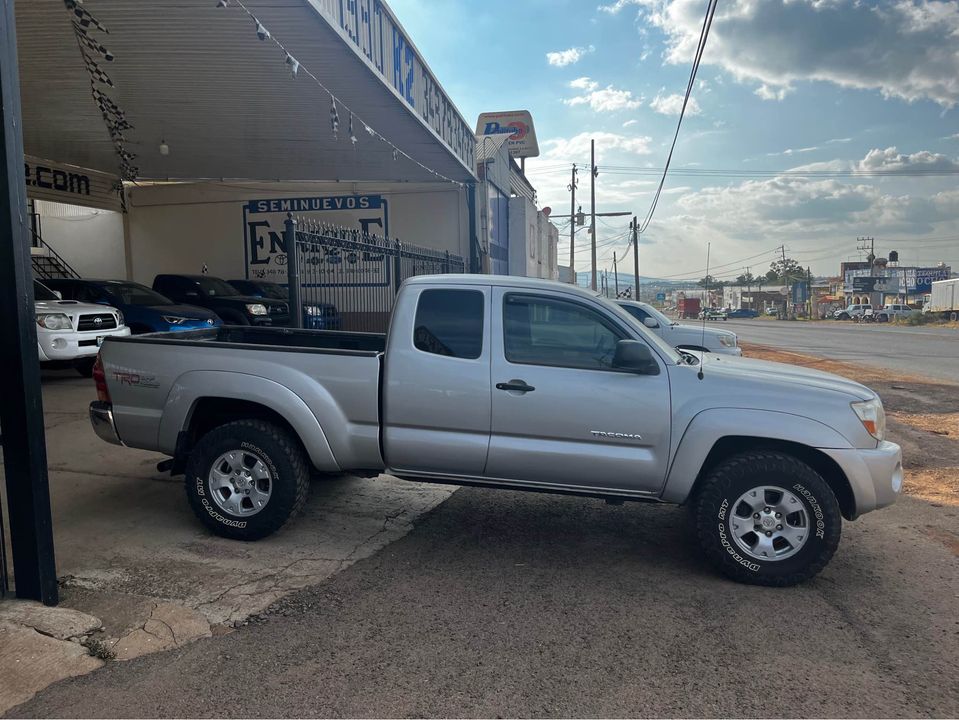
{"type": "Point", "coordinates": [47, 263]}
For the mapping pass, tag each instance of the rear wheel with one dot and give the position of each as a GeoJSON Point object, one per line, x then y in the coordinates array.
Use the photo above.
{"type": "Point", "coordinates": [84, 366]}
{"type": "Point", "coordinates": [767, 518]}
{"type": "Point", "coordinates": [246, 479]}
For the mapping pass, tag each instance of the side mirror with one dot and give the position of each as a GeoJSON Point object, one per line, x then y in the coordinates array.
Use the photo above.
{"type": "Point", "coordinates": [650, 323]}
{"type": "Point", "coordinates": [58, 294]}
{"type": "Point", "coordinates": [635, 356]}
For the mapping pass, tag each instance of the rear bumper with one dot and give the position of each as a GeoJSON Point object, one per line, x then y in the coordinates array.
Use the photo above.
{"type": "Point", "coordinates": [101, 418]}
{"type": "Point", "coordinates": [875, 475]}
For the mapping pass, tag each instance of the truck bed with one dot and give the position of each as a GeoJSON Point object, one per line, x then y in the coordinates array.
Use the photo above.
{"type": "Point", "coordinates": [266, 338]}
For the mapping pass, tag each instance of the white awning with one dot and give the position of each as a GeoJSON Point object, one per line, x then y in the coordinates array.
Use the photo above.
{"type": "Point", "coordinates": [196, 78]}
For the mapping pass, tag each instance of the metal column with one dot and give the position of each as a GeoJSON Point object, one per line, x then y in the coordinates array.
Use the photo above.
{"type": "Point", "coordinates": [21, 412]}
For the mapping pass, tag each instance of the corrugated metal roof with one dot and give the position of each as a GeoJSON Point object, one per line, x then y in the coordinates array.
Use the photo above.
{"type": "Point", "coordinates": [197, 77]}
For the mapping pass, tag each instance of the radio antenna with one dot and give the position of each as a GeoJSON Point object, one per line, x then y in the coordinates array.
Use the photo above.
{"type": "Point", "coordinates": [702, 342]}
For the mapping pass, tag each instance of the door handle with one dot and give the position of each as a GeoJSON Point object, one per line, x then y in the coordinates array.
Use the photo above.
{"type": "Point", "coordinates": [515, 385]}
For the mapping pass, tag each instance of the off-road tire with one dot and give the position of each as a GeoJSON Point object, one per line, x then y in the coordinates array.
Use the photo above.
{"type": "Point", "coordinates": [84, 366]}
{"type": "Point", "coordinates": [712, 507]}
{"type": "Point", "coordinates": [283, 455]}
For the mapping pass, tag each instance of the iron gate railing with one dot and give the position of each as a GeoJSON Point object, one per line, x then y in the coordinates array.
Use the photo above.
{"type": "Point", "coordinates": [344, 279]}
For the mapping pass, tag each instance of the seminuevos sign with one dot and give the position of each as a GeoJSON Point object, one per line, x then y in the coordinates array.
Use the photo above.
{"type": "Point", "coordinates": [518, 124]}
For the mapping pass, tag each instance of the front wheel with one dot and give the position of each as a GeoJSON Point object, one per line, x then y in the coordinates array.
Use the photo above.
{"type": "Point", "coordinates": [84, 366]}
{"type": "Point", "coordinates": [767, 518]}
{"type": "Point", "coordinates": [246, 479]}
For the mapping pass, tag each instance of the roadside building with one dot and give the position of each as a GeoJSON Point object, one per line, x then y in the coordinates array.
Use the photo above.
{"type": "Point", "coordinates": [883, 280]}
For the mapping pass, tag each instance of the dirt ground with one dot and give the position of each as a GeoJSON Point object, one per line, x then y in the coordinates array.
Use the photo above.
{"type": "Point", "coordinates": [922, 416]}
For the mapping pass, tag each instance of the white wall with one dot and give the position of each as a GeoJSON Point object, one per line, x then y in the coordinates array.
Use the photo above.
{"type": "Point", "coordinates": [523, 233]}
{"type": "Point", "coordinates": [177, 228]}
{"type": "Point", "coordinates": [90, 240]}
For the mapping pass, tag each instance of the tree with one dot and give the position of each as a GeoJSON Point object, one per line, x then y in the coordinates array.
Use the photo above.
{"type": "Point", "coordinates": [746, 279]}
{"type": "Point", "coordinates": [785, 271]}
{"type": "Point", "coordinates": [710, 281]}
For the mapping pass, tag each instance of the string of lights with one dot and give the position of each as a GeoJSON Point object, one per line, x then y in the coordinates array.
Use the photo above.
{"type": "Point", "coordinates": [296, 67]}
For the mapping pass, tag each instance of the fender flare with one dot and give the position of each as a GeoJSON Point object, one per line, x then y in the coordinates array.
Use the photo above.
{"type": "Point", "coordinates": [710, 426]}
{"type": "Point", "coordinates": [191, 387]}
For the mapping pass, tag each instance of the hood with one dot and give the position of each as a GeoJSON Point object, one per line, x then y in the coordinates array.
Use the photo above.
{"type": "Point", "coordinates": [762, 370]}
{"type": "Point", "coordinates": [186, 311]}
{"type": "Point", "coordinates": [711, 332]}
{"type": "Point", "coordinates": [71, 307]}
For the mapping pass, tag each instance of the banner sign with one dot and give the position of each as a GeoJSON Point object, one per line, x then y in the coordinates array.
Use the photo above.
{"type": "Point", "coordinates": [56, 182]}
{"type": "Point", "coordinates": [266, 259]}
{"type": "Point", "coordinates": [876, 284]}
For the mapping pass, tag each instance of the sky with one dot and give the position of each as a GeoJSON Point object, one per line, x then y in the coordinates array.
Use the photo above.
{"type": "Point", "coordinates": [812, 123]}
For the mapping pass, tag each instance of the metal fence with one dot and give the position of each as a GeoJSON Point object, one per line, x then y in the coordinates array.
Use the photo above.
{"type": "Point", "coordinates": [343, 278]}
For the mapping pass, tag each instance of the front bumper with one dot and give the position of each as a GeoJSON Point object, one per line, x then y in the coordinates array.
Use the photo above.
{"type": "Point", "coordinates": [875, 475]}
{"type": "Point", "coordinates": [723, 350]}
{"type": "Point", "coordinates": [56, 345]}
{"type": "Point", "coordinates": [101, 418]}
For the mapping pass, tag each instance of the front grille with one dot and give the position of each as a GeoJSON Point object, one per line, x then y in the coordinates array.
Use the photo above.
{"type": "Point", "coordinates": [100, 321]}
{"type": "Point", "coordinates": [278, 309]}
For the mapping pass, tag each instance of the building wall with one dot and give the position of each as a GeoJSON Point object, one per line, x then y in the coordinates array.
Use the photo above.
{"type": "Point", "coordinates": [523, 235]}
{"type": "Point", "coordinates": [89, 239]}
{"type": "Point", "coordinates": [179, 228]}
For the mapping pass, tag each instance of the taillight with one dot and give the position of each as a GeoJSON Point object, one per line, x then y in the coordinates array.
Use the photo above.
{"type": "Point", "coordinates": [100, 378]}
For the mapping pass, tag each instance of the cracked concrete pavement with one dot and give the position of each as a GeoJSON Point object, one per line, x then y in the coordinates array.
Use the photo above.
{"type": "Point", "coordinates": [131, 554]}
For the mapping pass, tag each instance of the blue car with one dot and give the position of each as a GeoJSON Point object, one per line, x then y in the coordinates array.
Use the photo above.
{"type": "Point", "coordinates": [321, 316]}
{"type": "Point", "coordinates": [742, 313]}
{"type": "Point", "coordinates": [145, 310]}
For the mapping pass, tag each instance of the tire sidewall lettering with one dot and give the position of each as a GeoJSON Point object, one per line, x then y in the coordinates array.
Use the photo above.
{"type": "Point", "coordinates": [239, 524]}
{"type": "Point", "coordinates": [814, 505]}
{"type": "Point", "coordinates": [728, 546]}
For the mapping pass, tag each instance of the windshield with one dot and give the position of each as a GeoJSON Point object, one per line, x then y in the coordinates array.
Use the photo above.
{"type": "Point", "coordinates": [42, 292]}
{"type": "Point", "coordinates": [271, 290]}
{"type": "Point", "coordinates": [665, 349]}
{"type": "Point", "coordinates": [215, 287]}
{"type": "Point", "coordinates": [135, 294]}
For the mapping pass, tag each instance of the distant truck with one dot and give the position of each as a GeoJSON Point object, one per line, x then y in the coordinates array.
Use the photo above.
{"type": "Point", "coordinates": [944, 298]}
{"type": "Point", "coordinates": [689, 308]}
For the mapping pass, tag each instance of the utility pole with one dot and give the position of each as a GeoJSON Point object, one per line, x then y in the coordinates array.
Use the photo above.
{"type": "Point", "coordinates": [592, 209]}
{"type": "Point", "coordinates": [749, 287]}
{"type": "Point", "coordinates": [615, 275]}
{"type": "Point", "coordinates": [572, 224]}
{"type": "Point", "coordinates": [636, 258]}
{"type": "Point", "coordinates": [788, 284]}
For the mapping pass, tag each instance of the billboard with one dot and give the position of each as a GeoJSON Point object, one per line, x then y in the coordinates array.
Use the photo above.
{"type": "Point", "coordinates": [925, 277]}
{"type": "Point", "coordinates": [876, 284]}
{"type": "Point", "coordinates": [518, 124]}
{"type": "Point", "coordinates": [263, 224]}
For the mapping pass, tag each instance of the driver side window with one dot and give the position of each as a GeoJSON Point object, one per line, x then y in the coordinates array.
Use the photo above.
{"type": "Point", "coordinates": [544, 331]}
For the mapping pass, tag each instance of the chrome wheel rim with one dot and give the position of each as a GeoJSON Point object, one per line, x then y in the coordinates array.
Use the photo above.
{"type": "Point", "coordinates": [769, 523]}
{"type": "Point", "coordinates": [240, 483]}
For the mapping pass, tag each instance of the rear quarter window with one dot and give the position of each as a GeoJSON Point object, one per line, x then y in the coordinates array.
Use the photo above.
{"type": "Point", "coordinates": [449, 323]}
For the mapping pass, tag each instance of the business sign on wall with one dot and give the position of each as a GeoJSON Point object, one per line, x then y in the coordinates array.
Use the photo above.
{"type": "Point", "coordinates": [876, 284]}
{"type": "Point", "coordinates": [925, 277]}
{"type": "Point", "coordinates": [517, 124]}
{"type": "Point", "coordinates": [56, 182]}
{"type": "Point", "coordinates": [376, 35]}
{"type": "Point", "coordinates": [266, 258]}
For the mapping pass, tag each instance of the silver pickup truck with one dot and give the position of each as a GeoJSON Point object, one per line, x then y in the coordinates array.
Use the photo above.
{"type": "Point", "coordinates": [509, 383]}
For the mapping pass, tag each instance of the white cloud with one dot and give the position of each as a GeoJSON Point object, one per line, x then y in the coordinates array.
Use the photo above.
{"type": "Point", "coordinates": [906, 49]}
{"type": "Point", "coordinates": [890, 162]}
{"type": "Point", "coordinates": [673, 105]}
{"type": "Point", "coordinates": [607, 99]}
{"type": "Point", "coordinates": [952, 137]}
{"type": "Point", "coordinates": [607, 144]}
{"type": "Point", "coordinates": [793, 151]}
{"type": "Point", "coordinates": [630, 122]}
{"type": "Point", "coordinates": [838, 140]}
{"type": "Point", "coordinates": [570, 56]}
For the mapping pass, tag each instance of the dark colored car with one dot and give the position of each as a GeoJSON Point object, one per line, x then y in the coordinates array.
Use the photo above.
{"type": "Point", "coordinates": [743, 313]}
{"type": "Point", "coordinates": [319, 316]}
{"type": "Point", "coordinates": [222, 298]}
{"type": "Point", "coordinates": [145, 311]}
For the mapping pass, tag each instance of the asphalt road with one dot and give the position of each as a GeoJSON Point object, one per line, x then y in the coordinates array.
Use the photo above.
{"type": "Point", "coordinates": [507, 604]}
{"type": "Point", "coordinates": [923, 350]}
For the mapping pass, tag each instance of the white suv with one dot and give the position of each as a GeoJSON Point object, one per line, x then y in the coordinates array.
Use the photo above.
{"type": "Point", "coordinates": [69, 332]}
{"type": "Point", "coordinates": [683, 337]}
{"type": "Point", "coordinates": [852, 312]}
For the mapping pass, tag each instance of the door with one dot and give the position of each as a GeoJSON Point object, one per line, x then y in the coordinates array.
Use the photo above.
{"type": "Point", "coordinates": [561, 415]}
{"type": "Point", "coordinates": [436, 388]}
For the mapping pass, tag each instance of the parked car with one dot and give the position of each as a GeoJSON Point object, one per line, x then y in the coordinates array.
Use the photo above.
{"type": "Point", "coordinates": [852, 312]}
{"type": "Point", "coordinates": [531, 385]}
{"type": "Point", "coordinates": [712, 314]}
{"type": "Point", "coordinates": [743, 313]}
{"type": "Point", "coordinates": [694, 338]}
{"type": "Point", "coordinates": [891, 311]}
{"type": "Point", "coordinates": [222, 298]}
{"type": "Point", "coordinates": [69, 333]}
{"type": "Point", "coordinates": [145, 310]}
{"type": "Point", "coordinates": [320, 316]}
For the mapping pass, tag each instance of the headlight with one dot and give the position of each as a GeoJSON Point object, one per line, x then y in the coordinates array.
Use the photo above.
{"type": "Point", "coordinates": [55, 321]}
{"type": "Point", "coordinates": [256, 309]}
{"type": "Point", "coordinates": [312, 310]}
{"type": "Point", "coordinates": [120, 319]}
{"type": "Point", "coordinates": [173, 319]}
{"type": "Point", "coordinates": [727, 340]}
{"type": "Point", "coordinates": [872, 417]}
